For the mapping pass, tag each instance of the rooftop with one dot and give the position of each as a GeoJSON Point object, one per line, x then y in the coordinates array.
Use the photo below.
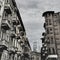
{"type": "Point", "coordinates": [52, 12]}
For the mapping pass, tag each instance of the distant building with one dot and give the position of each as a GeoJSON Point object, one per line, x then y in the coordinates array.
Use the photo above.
{"type": "Point", "coordinates": [35, 46]}
{"type": "Point", "coordinates": [14, 44]}
{"type": "Point", "coordinates": [35, 55]}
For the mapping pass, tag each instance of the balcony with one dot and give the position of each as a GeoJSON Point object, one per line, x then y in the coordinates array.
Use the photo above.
{"type": "Point", "coordinates": [4, 44]}
{"type": "Point", "coordinates": [20, 28]}
{"type": "Point", "coordinates": [5, 25]}
{"type": "Point", "coordinates": [17, 22]}
{"type": "Point", "coordinates": [21, 33]}
{"type": "Point", "coordinates": [44, 54]}
{"type": "Point", "coordinates": [8, 8]}
{"type": "Point", "coordinates": [47, 41]}
{"type": "Point", "coordinates": [12, 34]}
{"type": "Point", "coordinates": [43, 49]}
{"type": "Point", "coordinates": [43, 40]}
{"type": "Point", "coordinates": [18, 37]}
{"type": "Point", "coordinates": [43, 34]}
{"type": "Point", "coordinates": [45, 25]}
{"type": "Point", "coordinates": [22, 44]}
{"type": "Point", "coordinates": [11, 49]}
{"type": "Point", "coordinates": [45, 45]}
{"type": "Point", "coordinates": [14, 22]}
{"type": "Point", "coordinates": [19, 52]}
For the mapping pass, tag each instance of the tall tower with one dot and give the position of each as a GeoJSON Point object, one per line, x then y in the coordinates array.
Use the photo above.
{"type": "Point", "coordinates": [35, 46]}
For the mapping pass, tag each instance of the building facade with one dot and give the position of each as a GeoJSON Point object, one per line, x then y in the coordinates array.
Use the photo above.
{"type": "Point", "coordinates": [14, 44]}
{"type": "Point", "coordinates": [35, 55]}
{"type": "Point", "coordinates": [51, 35]}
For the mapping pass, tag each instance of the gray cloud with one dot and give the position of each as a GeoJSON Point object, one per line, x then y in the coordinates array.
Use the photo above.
{"type": "Point", "coordinates": [31, 13]}
{"type": "Point", "coordinates": [28, 4]}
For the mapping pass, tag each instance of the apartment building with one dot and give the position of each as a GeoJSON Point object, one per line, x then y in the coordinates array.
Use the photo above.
{"type": "Point", "coordinates": [52, 32]}
{"type": "Point", "coordinates": [14, 44]}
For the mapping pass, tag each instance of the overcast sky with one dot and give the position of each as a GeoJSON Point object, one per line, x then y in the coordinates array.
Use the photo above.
{"type": "Point", "coordinates": [31, 13]}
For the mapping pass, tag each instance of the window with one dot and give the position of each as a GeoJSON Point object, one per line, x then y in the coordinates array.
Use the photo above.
{"type": "Point", "coordinates": [47, 31]}
{"type": "Point", "coordinates": [58, 50]}
{"type": "Point", "coordinates": [50, 22]}
{"type": "Point", "coordinates": [49, 51]}
{"type": "Point", "coordinates": [4, 36]}
{"type": "Point", "coordinates": [57, 38]}
{"type": "Point", "coordinates": [26, 49]}
{"type": "Point", "coordinates": [46, 21]}
{"type": "Point", "coordinates": [50, 29]}
{"type": "Point", "coordinates": [48, 15]}
{"type": "Point", "coordinates": [56, 32]}
{"type": "Point", "coordinates": [51, 40]}
{"type": "Point", "coordinates": [55, 16]}
{"type": "Point", "coordinates": [55, 23]}
{"type": "Point", "coordinates": [6, 15]}
{"type": "Point", "coordinates": [58, 46]}
{"type": "Point", "coordinates": [52, 50]}
{"type": "Point", "coordinates": [58, 41]}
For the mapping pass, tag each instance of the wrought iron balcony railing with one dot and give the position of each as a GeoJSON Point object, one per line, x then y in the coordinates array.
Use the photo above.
{"type": "Point", "coordinates": [5, 25]}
